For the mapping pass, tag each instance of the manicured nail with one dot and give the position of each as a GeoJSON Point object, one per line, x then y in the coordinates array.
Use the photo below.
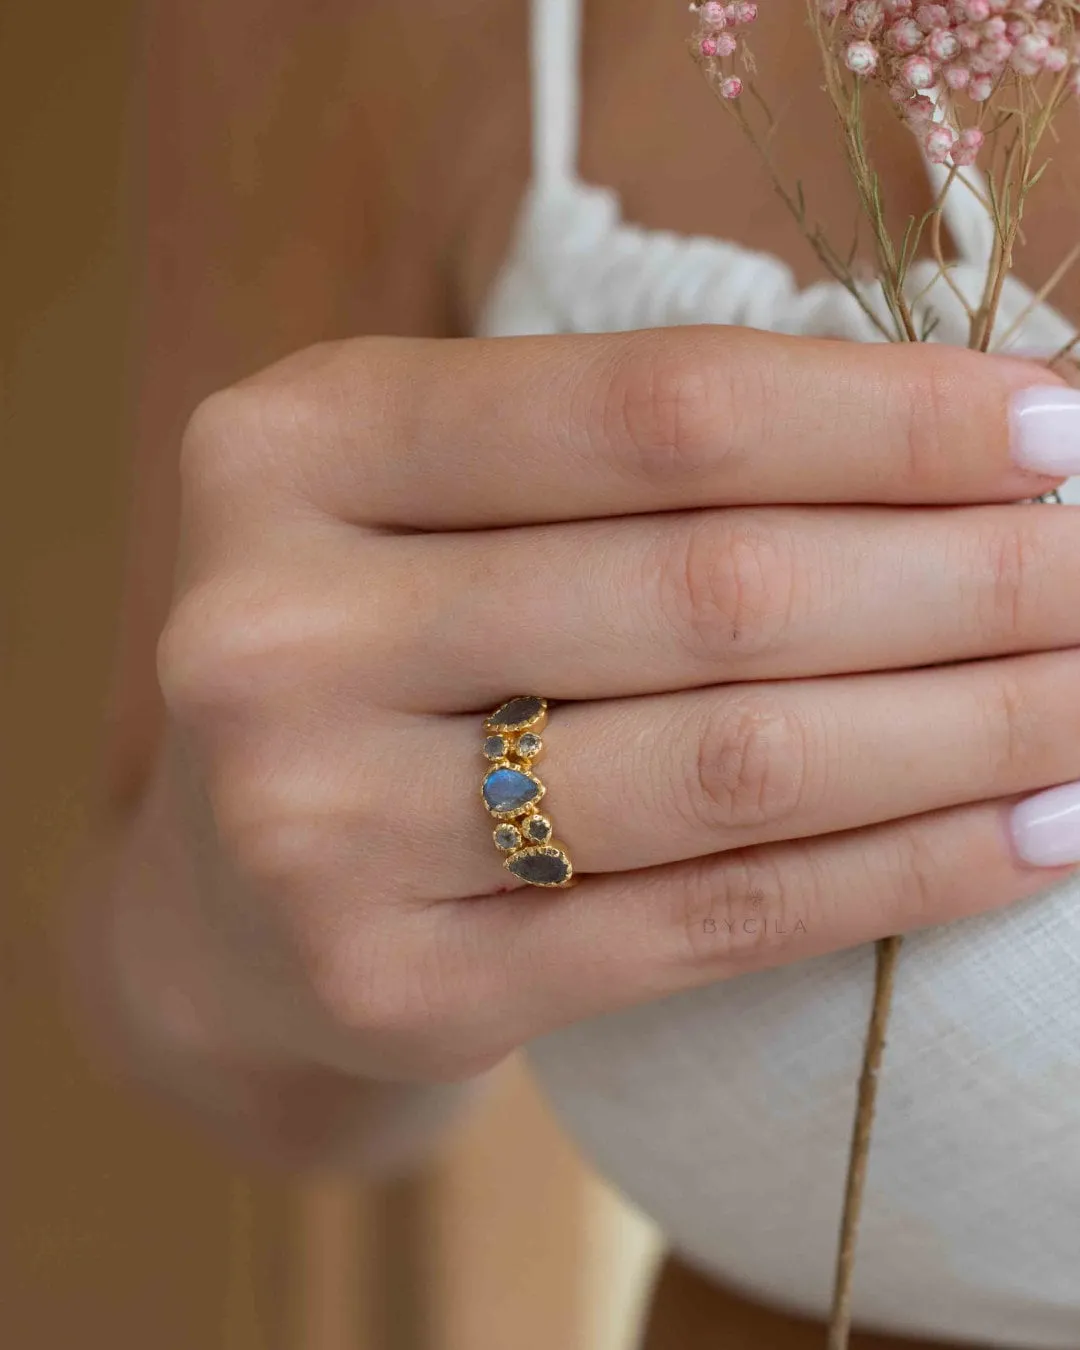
{"type": "Point", "coordinates": [1046, 430]}
{"type": "Point", "coordinates": [1046, 827]}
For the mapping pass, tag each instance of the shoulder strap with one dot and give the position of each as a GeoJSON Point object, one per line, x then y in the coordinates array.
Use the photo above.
{"type": "Point", "coordinates": [554, 60]}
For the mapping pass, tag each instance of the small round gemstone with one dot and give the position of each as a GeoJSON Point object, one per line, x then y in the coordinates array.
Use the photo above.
{"type": "Point", "coordinates": [517, 713]}
{"type": "Point", "coordinates": [506, 837]}
{"type": "Point", "coordinates": [495, 747]}
{"type": "Point", "coordinates": [538, 829]}
{"type": "Point", "coordinates": [528, 745]}
{"type": "Point", "coordinates": [541, 866]}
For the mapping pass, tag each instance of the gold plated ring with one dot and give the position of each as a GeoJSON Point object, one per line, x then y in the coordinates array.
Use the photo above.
{"type": "Point", "coordinates": [511, 793]}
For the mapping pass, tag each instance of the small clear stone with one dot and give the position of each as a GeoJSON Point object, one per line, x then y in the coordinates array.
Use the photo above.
{"type": "Point", "coordinates": [507, 837]}
{"type": "Point", "coordinates": [495, 747]}
{"type": "Point", "coordinates": [517, 712]}
{"type": "Point", "coordinates": [538, 829]}
{"type": "Point", "coordinates": [528, 745]}
{"type": "Point", "coordinates": [540, 866]}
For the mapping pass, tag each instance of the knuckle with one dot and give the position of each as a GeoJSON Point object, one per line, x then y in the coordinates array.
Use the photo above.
{"type": "Point", "coordinates": [220, 438]}
{"type": "Point", "coordinates": [212, 650]}
{"type": "Point", "coordinates": [658, 411]}
{"type": "Point", "coordinates": [929, 419]}
{"type": "Point", "coordinates": [728, 586]}
{"type": "Point", "coordinates": [1008, 567]}
{"type": "Point", "coordinates": [750, 767]}
{"type": "Point", "coordinates": [1012, 724]}
{"type": "Point", "coordinates": [919, 876]}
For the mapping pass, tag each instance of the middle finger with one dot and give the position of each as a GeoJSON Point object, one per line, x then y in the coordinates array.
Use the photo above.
{"type": "Point", "coordinates": [601, 609]}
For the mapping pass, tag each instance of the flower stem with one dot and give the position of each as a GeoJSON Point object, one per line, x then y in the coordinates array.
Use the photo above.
{"type": "Point", "coordinates": [887, 952]}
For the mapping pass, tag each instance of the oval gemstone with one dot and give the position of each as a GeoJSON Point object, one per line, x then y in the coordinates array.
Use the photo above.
{"type": "Point", "coordinates": [540, 866]}
{"type": "Point", "coordinates": [518, 712]}
{"type": "Point", "coordinates": [509, 790]}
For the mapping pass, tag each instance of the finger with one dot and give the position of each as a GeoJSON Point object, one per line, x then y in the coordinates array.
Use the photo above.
{"type": "Point", "coordinates": [600, 609]}
{"type": "Point", "coordinates": [555, 958]}
{"type": "Point", "coordinates": [503, 431]}
{"type": "Point", "coordinates": [635, 783]}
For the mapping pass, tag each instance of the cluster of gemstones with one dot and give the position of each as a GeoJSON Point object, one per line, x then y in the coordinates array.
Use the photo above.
{"type": "Point", "coordinates": [511, 793]}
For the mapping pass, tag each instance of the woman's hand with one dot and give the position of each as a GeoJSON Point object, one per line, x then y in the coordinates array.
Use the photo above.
{"type": "Point", "coordinates": [801, 696]}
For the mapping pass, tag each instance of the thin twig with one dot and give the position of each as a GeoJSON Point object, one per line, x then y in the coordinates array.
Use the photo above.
{"type": "Point", "coordinates": [887, 951]}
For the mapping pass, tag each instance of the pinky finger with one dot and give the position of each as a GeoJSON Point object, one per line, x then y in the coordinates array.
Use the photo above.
{"type": "Point", "coordinates": [627, 938]}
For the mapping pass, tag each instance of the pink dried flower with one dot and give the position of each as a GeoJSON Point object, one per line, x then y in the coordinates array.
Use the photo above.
{"type": "Point", "coordinates": [929, 17]}
{"type": "Point", "coordinates": [977, 10]}
{"type": "Point", "coordinates": [713, 14]}
{"type": "Point", "coordinates": [918, 72]}
{"type": "Point", "coordinates": [731, 87]}
{"type": "Point", "coordinates": [958, 77]}
{"type": "Point", "coordinates": [980, 88]}
{"type": "Point", "coordinates": [919, 110]}
{"type": "Point", "coordinates": [906, 35]}
{"type": "Point", "coordinates": [968, 144]}
{"type": "Point", "coordinates": [726, 44]}
{"type": "Point", "coordinates": [943, 44]}
{"type": "Point", "coordinates": [861, 57]}
{"type": "Point", "coordinates": [896, 9]}
{"type": "Point", "coordinates": [1056, 59]}
{"type": "Point", "coordinates": [939, 143]}
{"type": "Point", "coordinates": [708, 47]}
{"type": "Point", "coordinates": [866, 16]}
{"type": "Point", "coordinates": [1029, 54]}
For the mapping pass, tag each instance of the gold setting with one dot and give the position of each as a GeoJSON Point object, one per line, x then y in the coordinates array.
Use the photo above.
{"type": "Point", "coordinates": [536, 858]}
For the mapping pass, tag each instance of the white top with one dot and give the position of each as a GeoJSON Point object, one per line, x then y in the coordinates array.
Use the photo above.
{"type": "Point", "coordinates": [725, 1113]}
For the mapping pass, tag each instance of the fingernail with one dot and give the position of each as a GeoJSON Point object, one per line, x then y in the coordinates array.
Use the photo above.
{"type": "Point", "coordinates": [1046, 430]}
{"type": "Point", "coordinates": [1046, 827]}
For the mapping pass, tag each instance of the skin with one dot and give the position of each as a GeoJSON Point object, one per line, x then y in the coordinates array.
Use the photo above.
{"type": "Point", "coordinates": [736, 542]}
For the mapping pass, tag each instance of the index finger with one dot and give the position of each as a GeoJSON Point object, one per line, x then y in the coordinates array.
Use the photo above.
{"type": "Point", "coordinates": [480, 432]}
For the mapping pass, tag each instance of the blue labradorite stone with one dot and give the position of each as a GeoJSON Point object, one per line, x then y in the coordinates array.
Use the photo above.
{"type": "Point", "coordinates": [518, 712]}
{"type": "Point", "coordinates": [509, 790]}
{"type": "Point", "coordinates": [541, 866]}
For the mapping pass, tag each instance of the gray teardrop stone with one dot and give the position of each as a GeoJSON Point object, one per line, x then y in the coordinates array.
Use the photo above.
{"type": "Point", "coordinates": [516, 712]}
{"type": "Point", "coordinates": [541, 866]}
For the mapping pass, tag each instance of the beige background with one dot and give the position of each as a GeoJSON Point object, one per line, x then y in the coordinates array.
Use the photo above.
{"type": "Point", "coordinates": [119, 1227]}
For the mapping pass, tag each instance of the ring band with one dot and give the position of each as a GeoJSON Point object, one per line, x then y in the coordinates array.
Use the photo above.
{"type": "Point", "coordinates": [511, 793]}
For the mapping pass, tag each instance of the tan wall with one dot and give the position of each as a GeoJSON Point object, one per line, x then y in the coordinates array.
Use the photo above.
{"type": "Point", "coordinates": [121, 1228]}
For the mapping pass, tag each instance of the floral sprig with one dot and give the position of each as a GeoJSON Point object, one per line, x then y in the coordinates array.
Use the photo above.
{"type": "Point", "coordinates": [979, 83]}
{"type": "Point", "coordinates": [974, 80]}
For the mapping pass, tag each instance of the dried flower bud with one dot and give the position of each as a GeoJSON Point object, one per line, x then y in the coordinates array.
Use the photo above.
{"type": "Point", "coordinates": [906, 36]}
{"type": "Point", "coordinates": [958, 77]}
{"type": "Point", "coordinates": [713, 14]}
{"type": "Point", "coordinates": [980, 88]}
{"type": "Point", "coordinates": [866, 16]}
{"type": "Point", "coordinates": [861, 57]}
{"type": "Point", "coordinates": [726, 44]}
{"type": "Point", "coordinates": [968, 145]}
{"type": "Point", "coordinates": [929, 17]}
{"type": "Point", "coordinates": [977, 11]}
{"type": "Point", "coordinates": [918, 72]}
{"type": "Point", "coordinates": [1055, 60]}
{"type": "Point", "coordinates": [943, 45]}
{"type": "Point", "coordinates": [731, 87]}
{"type": "Point", "coordinates": [708, 47]}
{"type": "Point", "coordinates": [939, 143]}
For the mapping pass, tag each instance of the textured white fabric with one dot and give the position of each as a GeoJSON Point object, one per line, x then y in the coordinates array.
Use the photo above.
{"type": "Point", "coordinates": [725, 1113]}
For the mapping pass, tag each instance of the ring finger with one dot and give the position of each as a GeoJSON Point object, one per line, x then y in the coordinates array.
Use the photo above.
{"type": "Point", "coordinates": [633, 783]}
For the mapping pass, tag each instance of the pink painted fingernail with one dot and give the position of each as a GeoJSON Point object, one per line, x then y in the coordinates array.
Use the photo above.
{"type": "Point", "coordinates": [1046, 430]}
{"type": "Point", "coordinates": [1046, 827]}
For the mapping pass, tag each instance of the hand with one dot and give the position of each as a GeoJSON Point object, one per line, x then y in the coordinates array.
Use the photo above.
{"type": "Point", "coordinates": [748, 564]}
